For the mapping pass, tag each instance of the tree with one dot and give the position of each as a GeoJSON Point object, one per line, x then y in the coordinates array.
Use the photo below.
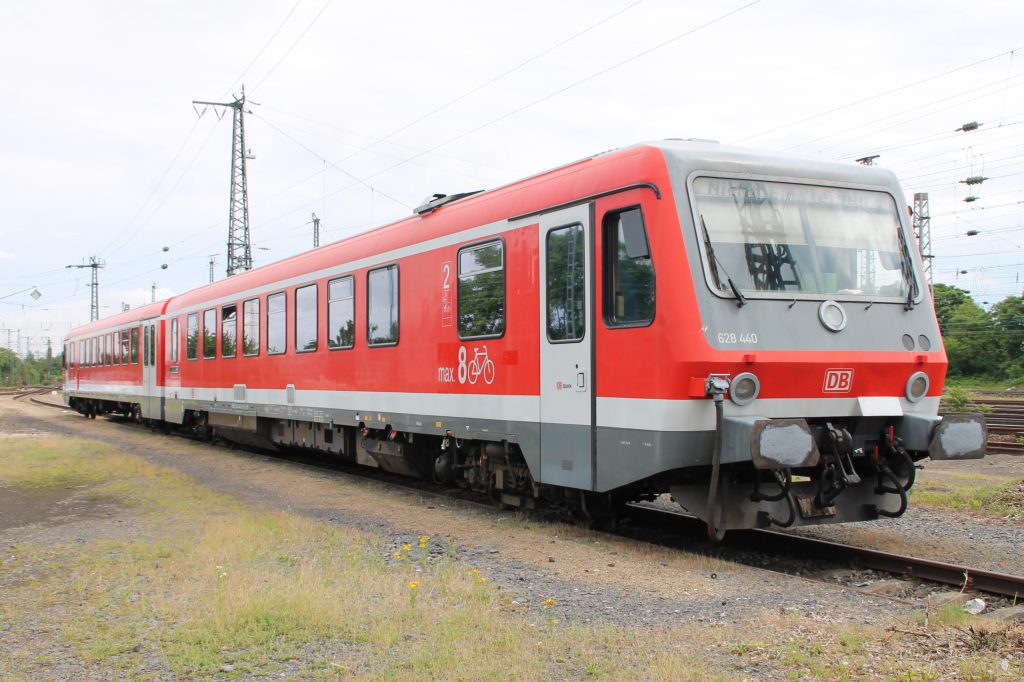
{"type": "Point", "coordinates": [972, 341]}
{"type": "Point", "coordinates": [947, 299]}
{"type": "Point", "coordinates": [1008, 318]}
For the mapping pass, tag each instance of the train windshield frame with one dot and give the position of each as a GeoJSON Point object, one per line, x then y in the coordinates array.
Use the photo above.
{"type": "Point", "coordinates": [789, 239]}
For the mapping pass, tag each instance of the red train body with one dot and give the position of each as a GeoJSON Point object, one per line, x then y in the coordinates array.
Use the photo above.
{"type": "Point", "coordinates": [747, 332]}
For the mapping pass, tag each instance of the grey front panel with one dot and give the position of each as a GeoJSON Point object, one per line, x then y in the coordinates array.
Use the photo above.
{"type": "Point", "coordinates": [628, 455]}
{"type": "Point", "coordinates": [789, 321]}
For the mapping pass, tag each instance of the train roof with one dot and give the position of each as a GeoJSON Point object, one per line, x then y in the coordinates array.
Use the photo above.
{"type": "Point", "coordinates": [122, 319]}
{"type": "Point", "coordinates": [579, 178]}
{"type": "Point", "coordinates": [695, 155]}
{"type": "Point", "coordinates": [643, 162]}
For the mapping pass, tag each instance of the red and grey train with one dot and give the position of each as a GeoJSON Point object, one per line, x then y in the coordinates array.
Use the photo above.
{"type": "Point", "coordinates": [749, 333]}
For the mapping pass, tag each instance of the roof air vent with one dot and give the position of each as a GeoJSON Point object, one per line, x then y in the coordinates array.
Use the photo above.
{"type": "Point", "coordinates": [435, 201]}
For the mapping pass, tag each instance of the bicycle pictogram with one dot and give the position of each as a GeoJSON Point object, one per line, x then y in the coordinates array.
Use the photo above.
{"type": "Point", "coordinates": [480, 366]}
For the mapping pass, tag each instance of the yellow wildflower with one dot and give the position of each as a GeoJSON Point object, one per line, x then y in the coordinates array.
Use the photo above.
{"type": "Point", "coordinates": [413, 584]}
{"type": "Point", "coordinates": [548, 603]}
{"type": "Point", "coordinates": [480, 580]}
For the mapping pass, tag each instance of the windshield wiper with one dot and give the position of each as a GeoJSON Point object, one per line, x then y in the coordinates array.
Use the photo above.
{"type": "Point", "coordinates": [907, 269]}
{"type": "Point", "coordinates": [715, 264]}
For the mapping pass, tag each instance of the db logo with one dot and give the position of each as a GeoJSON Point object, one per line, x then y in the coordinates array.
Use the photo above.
{"type": "Point", "coordinates": [838, 381]}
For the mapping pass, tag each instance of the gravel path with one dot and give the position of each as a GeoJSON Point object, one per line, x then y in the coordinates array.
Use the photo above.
{"type": "Point", "coordinates": [957, 537]}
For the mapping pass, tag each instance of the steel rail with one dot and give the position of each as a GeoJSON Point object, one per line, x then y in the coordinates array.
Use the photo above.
{"type": "Point", "coordinates": [963, 577]}
{"type": "Point", "coordinates": [1002, 448]}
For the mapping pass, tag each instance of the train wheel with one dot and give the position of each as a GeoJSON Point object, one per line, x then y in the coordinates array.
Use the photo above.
{"type": "Point", "coordinates": [603, 511]}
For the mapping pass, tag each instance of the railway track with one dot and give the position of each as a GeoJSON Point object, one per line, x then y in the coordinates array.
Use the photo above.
{"type": "Point", "coordinates": [31, 393]}
{"type": "Point", "coordinates": [900, 565]}
{"type": "Point", "coordinates": [989, 582]}
{"type": "Point", "coordinates": [1005, 418]}
{"type": "Point", "coordinates": [1004, 448]}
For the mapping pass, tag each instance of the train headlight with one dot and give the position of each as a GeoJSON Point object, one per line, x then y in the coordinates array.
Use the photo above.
{"type": "Point", "coordinates": [744, 388]}
{"type": "Point", "coordinates": [917, 386]}
{"type": "Point", "coordinates": [832, 316]}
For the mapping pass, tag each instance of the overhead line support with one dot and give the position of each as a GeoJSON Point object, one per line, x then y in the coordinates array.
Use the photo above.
{"type": "Point", "coordinates": [239, 256]}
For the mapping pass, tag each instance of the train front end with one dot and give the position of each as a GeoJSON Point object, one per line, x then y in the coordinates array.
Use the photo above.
{"type": "Point", "coordinates": [822, 356]}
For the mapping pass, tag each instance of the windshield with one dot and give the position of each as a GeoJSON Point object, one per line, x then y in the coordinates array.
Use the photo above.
{"type": "Point", "coordinates": [778, 236]}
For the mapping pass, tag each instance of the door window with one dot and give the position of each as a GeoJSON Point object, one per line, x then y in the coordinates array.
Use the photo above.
{"type": "Point", "coordinates": [566, 284]}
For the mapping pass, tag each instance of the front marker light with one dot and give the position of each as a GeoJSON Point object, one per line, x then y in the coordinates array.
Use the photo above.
{"type": "Point", "coordinates": [744, 388]}
{"type": "Point", "coordinates": [917, 386]}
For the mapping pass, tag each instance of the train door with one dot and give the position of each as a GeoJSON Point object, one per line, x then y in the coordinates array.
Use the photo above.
{"type": "Point", "coordinates": [566, 348]}
{"type": "Point", "coordinates": [151, 398]}
{"type": "Point", "coordinates": [71, 360]}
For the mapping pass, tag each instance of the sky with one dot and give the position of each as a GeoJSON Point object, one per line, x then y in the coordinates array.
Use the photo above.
{"type": "Point", "coordinates": [360, 110]}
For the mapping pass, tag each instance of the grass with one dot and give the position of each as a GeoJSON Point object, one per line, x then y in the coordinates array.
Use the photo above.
{"type": "Point", "coordinates": [992, 495]}
{"type": "Point", "coordinates": [193, 584]}
{"type": "Point", "coordinates": [205, 583]}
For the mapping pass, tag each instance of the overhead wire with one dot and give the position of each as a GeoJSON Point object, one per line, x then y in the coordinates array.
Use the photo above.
{"type": "Point", "coordinates": [263, 49]}
{"type": "Point", "coordinates": [596, 74]}
{"type": "Point", "coordinates": [266, 107]}
{"type": "Point", "coordinates": [270, 121]}
{"type": "Point", "coordinates": [292, 46]}
{"type": "Point", "coordinates": [905, 121]}
{"type": "Point", "coordinates": [156, 187]}
{"type": "Point", "coordinates": [566, 88]}
{"type": "Point", "coordinates": [900, 113]}
{"type": "Point", "coordinates": [495, 79]}
{"type": "Point", "coordinates": [334, 165]}
{"type": "Point", "coordinates": [875, 96]}
{"type": "Point", "coordinates": [166, 196]}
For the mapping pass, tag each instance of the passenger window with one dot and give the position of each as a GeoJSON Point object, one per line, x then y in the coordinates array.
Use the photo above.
{"type": "Point", "coordinates": [481, 291]}
{"type": "Point", "coordinates": [210, 334]}
{"type": "Point", "coordinates": [628, 270]}
{"type": "Point", "coordinates": [146, 335]}
{"type": "Point", "coordinates": [566, 292]}
{"type": "Point", "coordinates": [115, 347]}
{"type": "Point", "coordinates": [125, 348]}
{"type": "Point", "coordinates": [192, 341]}
{"type": "Point", "coordinates": [341, 313]}
{"type": "Point", "coordinates": [382, 304]}
{"type": "Point", "coordinates": [135, 345]}
{"type": "Point", "coordinates": [174, 340]}
{"type": "Point", "coordinates": [228, 331]}
{"type": "Point", "coordinates": [277, 328]}
{"type": "Point", "coordinates": [106, 349]}
{"type": "Point", "coordinates": [152, 345]}
{"type": "Point", "coordinates": [305, 319]}
{"type": "Point", "coordinates": [251, 327]}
